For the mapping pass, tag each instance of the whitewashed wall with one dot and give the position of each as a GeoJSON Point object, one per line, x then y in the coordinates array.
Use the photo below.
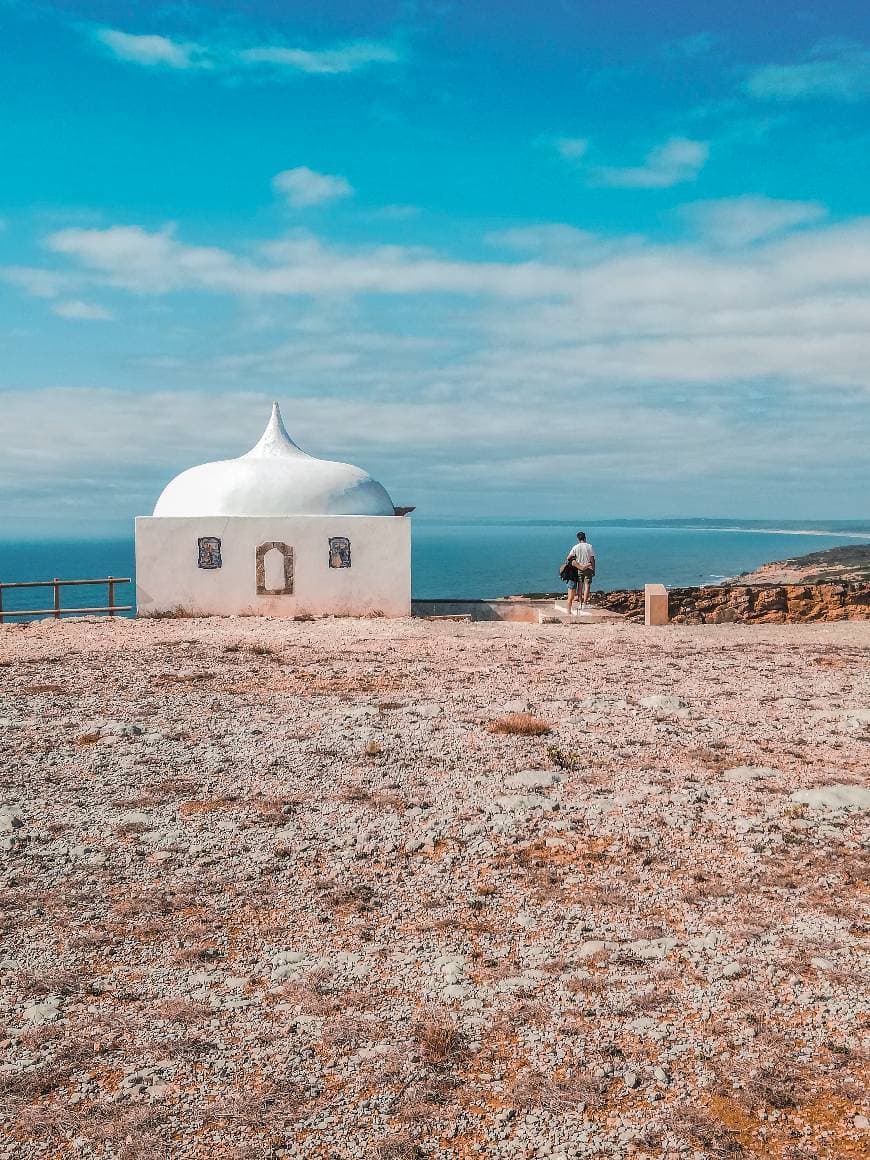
{"type": "Point", "coordinates": [169, 579]}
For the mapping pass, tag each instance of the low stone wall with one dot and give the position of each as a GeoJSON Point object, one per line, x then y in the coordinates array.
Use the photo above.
{"type": "Point", "coordinates": [750, 603]}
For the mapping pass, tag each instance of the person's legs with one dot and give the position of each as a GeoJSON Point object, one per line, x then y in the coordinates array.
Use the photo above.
{"type": "Point", "coordinates": [572, 589]}
{"type": "Point", "coordinates": [587, 585]}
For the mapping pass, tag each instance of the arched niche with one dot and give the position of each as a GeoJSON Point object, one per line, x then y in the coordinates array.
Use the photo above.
{"type": "Point", "coordinates": [284, 571]}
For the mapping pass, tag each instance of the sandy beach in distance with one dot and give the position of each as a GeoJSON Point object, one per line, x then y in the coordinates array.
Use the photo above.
{"type": "Point", "coordinates": [370, 888]}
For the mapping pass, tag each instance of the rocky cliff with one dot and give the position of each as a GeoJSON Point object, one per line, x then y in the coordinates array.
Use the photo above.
{"type": "Point", "coordinates": [849, 563]}
{"type": "Point", "coordinates": [751, 603]}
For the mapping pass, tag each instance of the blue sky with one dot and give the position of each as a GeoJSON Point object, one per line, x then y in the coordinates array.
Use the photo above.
{"type": "Point", "coordinates": [546, 258]}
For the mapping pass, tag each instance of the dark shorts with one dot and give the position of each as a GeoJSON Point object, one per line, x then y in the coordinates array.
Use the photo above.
{"type": "Point", "coordinates": [582, 574]}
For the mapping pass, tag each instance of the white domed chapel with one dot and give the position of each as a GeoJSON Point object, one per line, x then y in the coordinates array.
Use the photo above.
{"type": "Point", "coordinates": [276, 532]}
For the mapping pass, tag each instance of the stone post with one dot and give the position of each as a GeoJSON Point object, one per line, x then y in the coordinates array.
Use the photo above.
{"type": "Point", "coordinates": [655, 604]}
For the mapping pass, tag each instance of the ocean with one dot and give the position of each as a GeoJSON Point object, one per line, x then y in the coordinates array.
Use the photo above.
{"type": "Point", "coordinates": [469, 559]}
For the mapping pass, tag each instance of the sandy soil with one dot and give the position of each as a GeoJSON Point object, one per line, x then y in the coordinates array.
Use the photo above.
{"type": "Point", "coordinates": [328, 890]}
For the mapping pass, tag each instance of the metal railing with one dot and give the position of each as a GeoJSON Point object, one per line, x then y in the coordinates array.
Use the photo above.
{"type": "Point", "coordinates": [56, 610]}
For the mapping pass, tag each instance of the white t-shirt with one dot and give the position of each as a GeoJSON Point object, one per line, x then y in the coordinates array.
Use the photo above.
{"type": "Point", "coordinates": [582, 554]}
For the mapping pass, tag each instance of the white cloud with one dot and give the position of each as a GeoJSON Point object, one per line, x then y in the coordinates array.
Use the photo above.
{"type": "Point", "coordinates": [152, 50]}
{"type": "Point", "coordinates": [557, 243]}
{"type": "Point", "coordinates": [676, 161]}
{"type": "Point", "coordinates": [687, 364]}
{"type": "Point", "coordinates": [345, 58]}
{"type": "Point", "coordinates": [571, 148]}
{"type": "Point", "coordinates": [622, 313]}
{"type": "Point", "coordinates": [303, 186]}
{"type": "Point", "coordinates": [76, 451]}
{"type": "Point", "coordinates": [155, 51]}
{"type": "Point", "coordinates": [39, 282]}
{"type": "Point", "coordinates": [740, 221]}
{"type": "Point", "coordinates": [83, 311]}
{"type": "Point", "coordinates": [835, 71]}
{"type": "Point", "coordinates": [157, 263]}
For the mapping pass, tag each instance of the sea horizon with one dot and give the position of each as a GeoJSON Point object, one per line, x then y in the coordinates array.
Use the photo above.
{"type": "Point", "coordinates": [484, 557]}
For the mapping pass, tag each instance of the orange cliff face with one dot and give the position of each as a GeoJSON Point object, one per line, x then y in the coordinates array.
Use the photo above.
{"type": "Point", "coordinates": [751, 603]}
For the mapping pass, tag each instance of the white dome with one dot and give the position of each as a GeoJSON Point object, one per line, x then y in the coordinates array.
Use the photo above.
{"type": "Point", "coordinates": [275, 478]}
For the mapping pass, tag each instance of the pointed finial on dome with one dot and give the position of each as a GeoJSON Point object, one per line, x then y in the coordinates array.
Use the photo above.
{"type": "Point", "coordinates": [274, 440]}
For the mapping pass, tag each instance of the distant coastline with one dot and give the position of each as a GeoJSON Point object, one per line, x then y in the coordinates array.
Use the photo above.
{"type": "Point", "coordinates": [847, 564]}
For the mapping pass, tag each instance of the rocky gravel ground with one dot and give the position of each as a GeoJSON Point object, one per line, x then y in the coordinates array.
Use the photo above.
{"type": "Point", "coordinates": [386, 889]}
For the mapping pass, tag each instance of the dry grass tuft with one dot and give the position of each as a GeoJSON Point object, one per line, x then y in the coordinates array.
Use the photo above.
{"type": "Point", "coordinates": [521, 724]}
{"type": "Point", "coordinates": [397, 1147]}
{"type": "Point", "coordinates": [718, 1141]}
{"type": "Point", "coordinates": [440, 1040]}
{"type": "Point", "coordinates": [264, 650]}
{"type": "Point", "coordinates": [534, 1089]}
{"type": "Point", "coordinates": [125, 829]}
{"type": "Point", "coordinates": [566, 760]}
{"type": "Point", "coordinates": [354, 792]}
{"type": "Point", "coordinates": [182, 678]}
{"type": "Point", "coordinates": [775, 1086]}
{"type": "Point", "coordinates": [185, 1011]}
{"type": "Point", "coordinates": [54, 982]}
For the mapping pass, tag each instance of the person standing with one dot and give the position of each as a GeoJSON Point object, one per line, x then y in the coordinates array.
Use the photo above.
{"type": "Point", "coordinates": [582, 556]}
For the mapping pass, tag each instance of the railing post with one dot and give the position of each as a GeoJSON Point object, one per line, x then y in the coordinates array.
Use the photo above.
{"type": "Point", "coordinates": [56, 599]}
{"type": "Point", "coordinates": [111, 596]}
{"type": "Point", "coordinates": [1, 603]}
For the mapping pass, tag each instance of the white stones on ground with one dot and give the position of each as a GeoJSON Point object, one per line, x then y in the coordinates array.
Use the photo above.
{"type": "Point", "coordinates": [344, 968]}
{"type": "Point", "coordinates": [836, 798]}
{"type": "Point", "coordinates": [661, 1076]}
{"type": "Point", "coordinates": [600, 805]}
{"type": "Point", "coordinates": [854, 720]}
{"type": "Point", "coordinates": [647, 1028]}
{"type": "Point", "coordinates": [452, 969]}
{"type": "Point", "coordinates": [116, 729]}
{"type": "Point", "coordinates": [518, 705]}
{"type": "Point", "coordinates": [146, 1081]}
{"type": "Point", "coordinates": [602, 703]}
{"type": "Point", "coordinates": [666, 704]}
{"type": "Point", "coordinates": [533, 779]}
{"type": "Point", "coordinates": [731, 971]}
{"type": "Point", "coordinates": [748, 773]}
{"type": "Point", "coordinates": [135, 818]}
{"type": "Point", "coordinates": [10, 819]}
{"type": "Point", "coordinates": [822, 964]}
{"type": "Point", "coordinates": [525, 984]}
{"type": "Point", "coordinates": [357, 712]}
{"type": "Point", "coordinates": [590, 948]}
{"type": "Point", "coordinates": [426, 709]}
{"type": "Point", "coordinates": [630, 1079]}
{"type": "Point", "coordinates": [45, 1011]}
{"type": "Point", "coordinates": [861, 1123]}
{"type": "Point", "coordinates": [521, 803]}
{"type": "Point", "coordinates": [291, 965]}
{"type": "Point", "coordinates": [652, 948]}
